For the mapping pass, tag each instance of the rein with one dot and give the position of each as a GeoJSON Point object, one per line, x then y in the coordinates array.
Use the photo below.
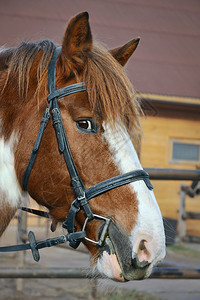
{"type": "Point", "coordinates": [82, 195]}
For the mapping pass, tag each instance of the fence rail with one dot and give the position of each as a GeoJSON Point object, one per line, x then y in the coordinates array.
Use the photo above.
{"type": "Point", "coordinates": [78, 273]}
{"type": "Point", "coordinates": [173, 174]}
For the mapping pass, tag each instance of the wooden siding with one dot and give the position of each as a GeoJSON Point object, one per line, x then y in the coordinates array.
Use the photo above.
{"type": "Point", "coordinates": [155, 152]}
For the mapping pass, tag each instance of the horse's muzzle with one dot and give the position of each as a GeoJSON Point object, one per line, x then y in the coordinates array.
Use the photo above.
{"type": "Point", "coordinates": [117, 260]}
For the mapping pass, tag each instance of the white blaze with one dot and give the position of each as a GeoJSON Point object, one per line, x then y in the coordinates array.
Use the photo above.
{"type": "Point", "coordinates": [149, 223]}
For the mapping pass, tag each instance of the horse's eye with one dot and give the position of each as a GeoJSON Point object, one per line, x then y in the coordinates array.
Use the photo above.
{"type": "Point", "coordinates": [87, 126]}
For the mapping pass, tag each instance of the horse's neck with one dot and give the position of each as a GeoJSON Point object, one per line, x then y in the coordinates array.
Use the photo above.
{"type": "Point", "coordinates": [11, 194]}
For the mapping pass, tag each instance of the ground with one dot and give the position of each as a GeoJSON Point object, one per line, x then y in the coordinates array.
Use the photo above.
{"type": "Point", "coordinates": [74, 289]}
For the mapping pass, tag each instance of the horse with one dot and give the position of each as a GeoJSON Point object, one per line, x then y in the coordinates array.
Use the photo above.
{"type": "Point", "coordinates": [102, 125]}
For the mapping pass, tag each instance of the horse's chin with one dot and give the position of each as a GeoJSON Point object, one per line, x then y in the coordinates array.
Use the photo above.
{"type": "Point", "coordinates": [109, 265]}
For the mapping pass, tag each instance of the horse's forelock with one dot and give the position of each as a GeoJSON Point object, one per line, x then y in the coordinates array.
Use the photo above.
{"type": "Point", "coordinates": [110, 92]}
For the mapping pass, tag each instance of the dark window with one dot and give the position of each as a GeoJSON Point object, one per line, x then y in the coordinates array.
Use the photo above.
{"type": "Point", "coordinates": [185, 151]}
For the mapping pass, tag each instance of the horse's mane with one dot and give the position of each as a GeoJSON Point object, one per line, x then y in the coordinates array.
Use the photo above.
{"type": "Point", "coordinates": [110, 92]}
{"type": "Point", "coordinates": [21, 61]}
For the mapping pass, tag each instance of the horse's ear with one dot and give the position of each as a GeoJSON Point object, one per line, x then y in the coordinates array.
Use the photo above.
{"type": "Point", "coordinates": [77, 42]}
{"type": "Point", "coordinates": [122, 54]}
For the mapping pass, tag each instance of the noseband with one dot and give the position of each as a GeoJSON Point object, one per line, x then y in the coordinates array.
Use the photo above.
{"type": "Point", "coordinates": [83, 195]}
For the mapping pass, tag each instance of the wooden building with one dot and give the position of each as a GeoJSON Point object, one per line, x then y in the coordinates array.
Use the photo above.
{"type": "Point", "coordinates": [172, 140]}
{"type": "Point", "coordinates": [165, 70]}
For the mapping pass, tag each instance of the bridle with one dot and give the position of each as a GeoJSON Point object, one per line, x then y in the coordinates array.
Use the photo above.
{"type": "Point", "coordinates": [83, 195]}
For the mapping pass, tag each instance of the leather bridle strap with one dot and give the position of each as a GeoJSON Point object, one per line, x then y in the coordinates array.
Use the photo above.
{"type": "Point", "coordinates": [100, 188]}
{"type": "Point", "coordinates": [63, 144]}
{"type": "Point", "coordinates": [68, 90]}
{"type": "Point", "coordinates": [44, 122]}
{"type": "Point", "coordinates": [118, 181]}
{"type": "Point", "coordinates": [35, 246]}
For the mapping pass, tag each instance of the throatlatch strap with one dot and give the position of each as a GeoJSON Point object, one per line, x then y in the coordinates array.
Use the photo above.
{"type": "Point", "coordinates": [36, 212]}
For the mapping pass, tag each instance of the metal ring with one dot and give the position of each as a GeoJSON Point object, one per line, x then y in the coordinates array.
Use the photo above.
{"type": "Point", "coordinates": [104, 231]}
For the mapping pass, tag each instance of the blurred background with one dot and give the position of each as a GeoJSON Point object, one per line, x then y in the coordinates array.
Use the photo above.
{"type": "Point", "coordinates": [165, 70]}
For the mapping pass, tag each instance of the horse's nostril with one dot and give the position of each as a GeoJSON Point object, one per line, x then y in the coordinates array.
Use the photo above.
{"type": "Point", "coordinates": [142, 245]}
{"type": "Point", "coordinates": [143, 252]}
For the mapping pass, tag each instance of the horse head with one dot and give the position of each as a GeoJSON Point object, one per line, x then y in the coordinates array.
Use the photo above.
{"type": "Point", "coordinates": [103, 131]}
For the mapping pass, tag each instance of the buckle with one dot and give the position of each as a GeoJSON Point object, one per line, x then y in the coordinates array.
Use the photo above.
{"type": "Point", "coordinates": [86, 207]}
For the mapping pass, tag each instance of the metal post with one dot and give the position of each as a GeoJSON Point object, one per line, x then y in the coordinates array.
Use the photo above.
{"type": "Point", "coordinates": [182, 221]}
{"type": "Point", "coordinates": [21, 234]}
{"type": "Point", "coordinates": [93, 289]}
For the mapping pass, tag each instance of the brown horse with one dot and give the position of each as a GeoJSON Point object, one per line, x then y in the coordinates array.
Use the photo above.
{"type": "Point", "coordinates": [103, 130]}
